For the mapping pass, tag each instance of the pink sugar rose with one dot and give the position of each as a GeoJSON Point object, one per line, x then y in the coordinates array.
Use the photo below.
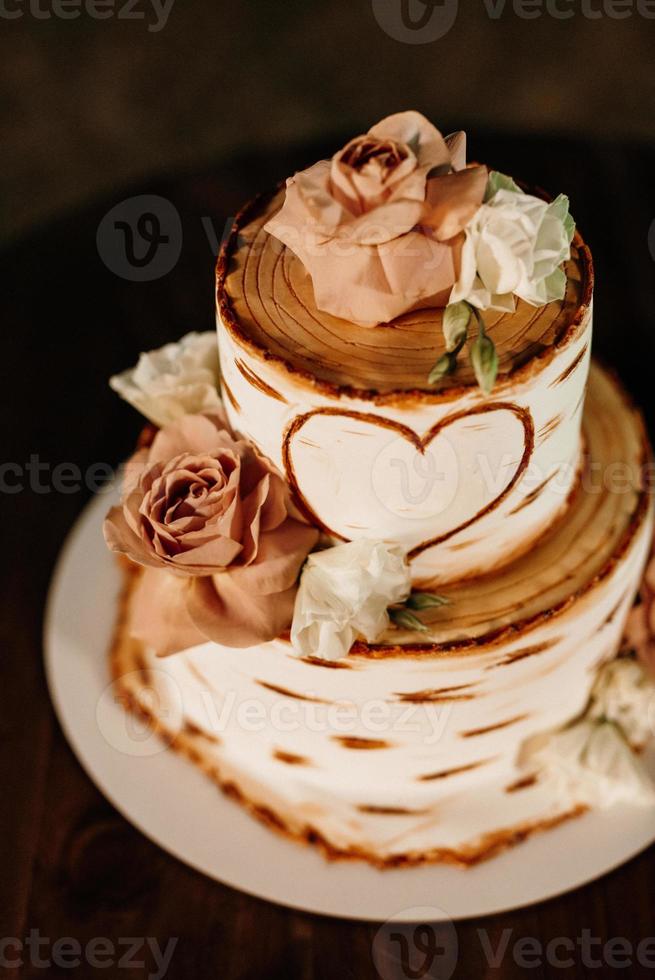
{"type": "Point", "coordinates": [379, 227]}
{"type": "Point", "coordinates": [213, 522]}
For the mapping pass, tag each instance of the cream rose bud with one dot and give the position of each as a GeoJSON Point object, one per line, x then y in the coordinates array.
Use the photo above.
{"type": "Point", "coordinates": [344, 593]}
{"type": "Point", "coordinates": [178, 379]}
{"type": "Point", "coordinates": [625, 694]}
{"type": "Point", "coordinates": [514, 246]}
{"type": "Point", "coordinates": [592, 763]}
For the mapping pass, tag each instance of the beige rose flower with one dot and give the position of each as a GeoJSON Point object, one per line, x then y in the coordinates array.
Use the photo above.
{"type": "Point", "coordinates": [379, 227]}
{"type": "Point", "coordinates": [214, 519]}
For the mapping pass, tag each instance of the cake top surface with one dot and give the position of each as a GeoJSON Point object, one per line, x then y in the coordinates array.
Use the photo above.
{"type": "Point", "coordinates": [266, 298]}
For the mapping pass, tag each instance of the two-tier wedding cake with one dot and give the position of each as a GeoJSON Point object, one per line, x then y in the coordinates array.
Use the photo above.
{"type": "Point", "coordinates": [381, 562]}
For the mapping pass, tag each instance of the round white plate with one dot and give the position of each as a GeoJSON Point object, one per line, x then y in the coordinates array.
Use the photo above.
{"type": "Point", "coordinates": [173, 804]}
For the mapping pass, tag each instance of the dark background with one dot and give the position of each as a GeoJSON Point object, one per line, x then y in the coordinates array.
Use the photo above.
{"type": "Point", "coordinates": [221, 102]}
{"type": "Point", "coordinates": [89, 105]}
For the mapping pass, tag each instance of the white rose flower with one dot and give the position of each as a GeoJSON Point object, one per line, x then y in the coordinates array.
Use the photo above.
{"type": "Point", "coordinates": [625, 694]}
{"type": "Point", "coordinates": [344, 592]}
{"type": "Point", "coordinates": [591, 762]}
{"type": "Point", "coordinates": [177, 379]}
{"type": "Point", "coordinates": [514, 246]}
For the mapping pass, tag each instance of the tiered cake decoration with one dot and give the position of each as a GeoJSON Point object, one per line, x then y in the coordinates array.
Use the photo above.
{"type": "Point", "coordinates": [393, 522]}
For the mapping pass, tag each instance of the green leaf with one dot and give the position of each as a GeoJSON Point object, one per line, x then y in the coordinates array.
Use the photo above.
{"type": "Point", "coordinates": [500, 182]}
{"type": "Point", "coordinates": [445, 365]}
{"type": "Point", "coordinates": [485, 361]}
{"type": "Point", "coordinates": [407, 620]}
{"type": "Point", "coordinates": [448, 361]}
{"type": "Point", "coordinates": [455, 322]}
{"type": "Point", "coordinates": [426, 600]}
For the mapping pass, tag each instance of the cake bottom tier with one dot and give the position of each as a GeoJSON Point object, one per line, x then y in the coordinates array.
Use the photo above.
{"type": "Point", "coordinates": [408, 751]}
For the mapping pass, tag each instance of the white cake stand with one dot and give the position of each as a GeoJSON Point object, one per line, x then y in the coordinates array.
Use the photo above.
{"type": "Point", "coordinates": [178, 808]}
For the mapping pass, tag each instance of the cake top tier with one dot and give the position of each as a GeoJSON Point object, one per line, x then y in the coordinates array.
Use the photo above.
{"type": "Point", "coordinates": [373, 271]}
{"type": "Point", "coordinates": [267, 300]}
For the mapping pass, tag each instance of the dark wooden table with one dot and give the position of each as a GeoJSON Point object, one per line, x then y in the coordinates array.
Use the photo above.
{"type": "Point", "coordinates": [70, 865]}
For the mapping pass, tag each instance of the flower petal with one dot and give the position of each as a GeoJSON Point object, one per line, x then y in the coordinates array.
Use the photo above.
{"type": "Point", "coordinates": [174, 380]}
{"type": "Point", "coordinates": [121, 539]}
{"type": "Point", "coordinates": [192, 435]}
{"type": "Point", "coordinates": [160, 618]}
{"type": "Point", "coordinates": [452, 201]}
{"type": "Point", "coordinates": [456, 144]}
{"type": "Point", "coordinates": [228, 614]}
{"type": "Point", "coordinates": [280, 557]}
{"type": "Point", "coordinates": [345, 591]}
{"type": "Point", "coordinates": [418, 132]}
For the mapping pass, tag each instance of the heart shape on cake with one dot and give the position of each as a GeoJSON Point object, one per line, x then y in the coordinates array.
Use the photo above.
{"type": "Point", "coordinates": [361, 474]}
